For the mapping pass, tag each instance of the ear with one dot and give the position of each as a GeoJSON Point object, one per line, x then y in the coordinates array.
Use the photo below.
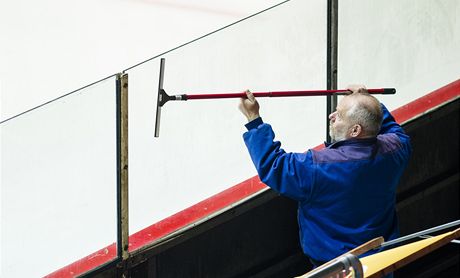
{"type": "Point", "coordinates": [356, 130]}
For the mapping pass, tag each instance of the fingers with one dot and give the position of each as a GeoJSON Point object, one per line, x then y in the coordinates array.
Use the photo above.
{"type": "Point", "coordinates": [250, 96]}
{"type": "Point", "coordinates": [241, 106]}
{"type": "Point", "coordinates": [357, 88]}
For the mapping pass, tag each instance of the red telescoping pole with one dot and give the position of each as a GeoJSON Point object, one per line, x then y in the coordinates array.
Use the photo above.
{"type": "Point", "coordinates": [285, 93]}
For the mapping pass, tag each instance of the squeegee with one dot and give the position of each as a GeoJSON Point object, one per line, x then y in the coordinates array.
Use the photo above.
{"type": "Point", "coordinates": [163, 97]}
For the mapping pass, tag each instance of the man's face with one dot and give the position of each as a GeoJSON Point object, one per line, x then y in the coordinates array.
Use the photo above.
{"type": "Point", "coordinates": [339, 123]}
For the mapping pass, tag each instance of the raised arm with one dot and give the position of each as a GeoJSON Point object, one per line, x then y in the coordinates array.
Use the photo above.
{"type": "Point", "coordinates": [389, 125]}
{"type": "Point", "coordinates": [290, 174]}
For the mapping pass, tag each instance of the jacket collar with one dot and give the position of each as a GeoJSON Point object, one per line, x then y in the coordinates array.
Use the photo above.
{"type": "Point", "coordinates": [351, 142]}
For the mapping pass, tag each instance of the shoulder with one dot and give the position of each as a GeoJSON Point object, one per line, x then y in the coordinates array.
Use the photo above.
{"type": "Point", "coordinates": [327, 155]}
{"type": "Point", "coordinates": [390, 142]}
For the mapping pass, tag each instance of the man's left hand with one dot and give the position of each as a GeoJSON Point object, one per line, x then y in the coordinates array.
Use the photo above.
{"type": "Point", "coordinates": [249, 106]}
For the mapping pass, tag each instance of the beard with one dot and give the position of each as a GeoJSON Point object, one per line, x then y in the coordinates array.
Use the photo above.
{"type": "Point", "coordinates": [337, 133]}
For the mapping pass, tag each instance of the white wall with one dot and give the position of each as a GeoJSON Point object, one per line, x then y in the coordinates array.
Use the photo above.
{"type": "Point", "coordinates": [410, 45]}
{"type": "Point", "coordinates": [57, 163]}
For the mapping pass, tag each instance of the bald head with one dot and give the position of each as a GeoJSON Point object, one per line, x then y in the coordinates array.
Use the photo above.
{"type": "Point", "coordinates": [364, 110]}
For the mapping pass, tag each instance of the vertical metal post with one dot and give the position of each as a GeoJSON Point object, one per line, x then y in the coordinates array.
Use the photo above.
{"type": "Point", "coordinates": [332, 50]}
{"type": "Point", "coordinates": [122, 166]}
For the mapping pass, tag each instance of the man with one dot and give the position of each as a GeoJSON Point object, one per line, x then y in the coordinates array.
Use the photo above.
{"type": "Point", "coordinates": [346, 191]}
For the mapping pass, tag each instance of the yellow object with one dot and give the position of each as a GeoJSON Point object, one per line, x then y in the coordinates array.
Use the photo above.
{"type": "Point", "coordinates": [385, 262]}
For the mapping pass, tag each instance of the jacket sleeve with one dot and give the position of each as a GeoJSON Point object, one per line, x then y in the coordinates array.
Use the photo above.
{"type": "Point", "coordinates": [389, 125]}
{"type": "Point", "coordinates": [290, 174]}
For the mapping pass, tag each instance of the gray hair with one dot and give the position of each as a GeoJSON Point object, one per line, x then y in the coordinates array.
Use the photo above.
{"type": "Point", "coordinates": [367, 112]}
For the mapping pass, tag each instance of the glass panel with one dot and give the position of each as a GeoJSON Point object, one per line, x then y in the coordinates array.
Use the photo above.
{"type": "Point", "coordinates": [409, 45]}
{"type": "Point", "coordinates": [200, 151]}
{"type": "Point", "coordinates": [58, 182]}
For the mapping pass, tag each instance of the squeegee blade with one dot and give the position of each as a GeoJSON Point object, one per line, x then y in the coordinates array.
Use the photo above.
{"type": "Point", "coordinates": [157, 122]}
{"type": "Point", "coordinates": [160, 88]}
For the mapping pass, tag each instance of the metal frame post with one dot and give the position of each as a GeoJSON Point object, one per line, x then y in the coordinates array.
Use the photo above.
{"type": "Point", "coordinates": [122, 166]}
{"type": "Point", "coordinates": [332, 53]}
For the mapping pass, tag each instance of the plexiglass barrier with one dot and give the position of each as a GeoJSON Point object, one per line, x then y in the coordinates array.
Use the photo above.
{"type": "Point", "coordinates": [408, 45]}
{"type": "Point", "coordinates": [200, 151]}
{"type": "Point", "coordinates": [58, 177]}
{"type": "Point", "coordinates": [58, 182]}
{"type": "Point", "coordinates": [58, 162]}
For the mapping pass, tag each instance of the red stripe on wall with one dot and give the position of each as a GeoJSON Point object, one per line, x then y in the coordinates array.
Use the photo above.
{"type": "Point", "coordinates": [234, 194]}
{"type": "Point", "coordinates": [195, 212]}
{"type": "Point", "coordinates": [432, 100]}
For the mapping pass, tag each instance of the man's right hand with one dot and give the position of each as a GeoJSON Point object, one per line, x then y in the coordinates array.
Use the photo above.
{"type": "Point", "coordinates": [359, 89]}
{"type": "Point", "coordinates": [249, 106]}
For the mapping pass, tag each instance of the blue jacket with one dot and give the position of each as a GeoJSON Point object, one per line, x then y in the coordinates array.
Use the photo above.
{"type": "Point", "coordinates": [346, 191]}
